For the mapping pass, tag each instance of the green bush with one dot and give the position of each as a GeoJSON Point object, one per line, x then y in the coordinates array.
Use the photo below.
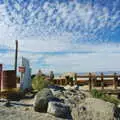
{"type": "Point", "coordinates": [97, 94]}
{"type": "Point", "coordinates": [111, 99]}
{"type": "Point", "coordinates": [39, 82]}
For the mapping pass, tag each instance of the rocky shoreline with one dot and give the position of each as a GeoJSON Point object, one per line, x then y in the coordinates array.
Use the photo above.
{"type": "Point", "coordinates": [68, 103]}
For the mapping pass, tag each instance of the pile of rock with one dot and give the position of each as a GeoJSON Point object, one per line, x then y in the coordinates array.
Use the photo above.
{"type": "Point", "coordinates": [72, 104]}
{"type": "Point", "coordinates": [45, 101]}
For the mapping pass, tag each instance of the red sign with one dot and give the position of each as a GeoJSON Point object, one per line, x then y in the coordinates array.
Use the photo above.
{"type": "Point", "coordinates": [0, 67]}
{"type": "Point", "coordinates": [22, 69]}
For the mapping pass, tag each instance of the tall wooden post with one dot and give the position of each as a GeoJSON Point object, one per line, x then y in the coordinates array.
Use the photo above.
{"type": "Point", "coordinates": [16, 54]}
{"type": "Point", "coordinates": [115, 82]}
{"type": "Point", "coordinates": [102, 81]}
{"type": "Point", "coordinates": [90, 82]}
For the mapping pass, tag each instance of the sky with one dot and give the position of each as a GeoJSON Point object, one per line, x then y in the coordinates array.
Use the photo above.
{"type": "Point", "coordinates": [61, 35]}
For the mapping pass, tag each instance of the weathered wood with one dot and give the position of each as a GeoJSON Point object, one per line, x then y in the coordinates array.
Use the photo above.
{"type": "Point", "coordinates": [82, 76]}
{"type": "Point", "coordinates": [115, 81]}
{"type": "Point", "coordinates": [75, 77]}
{"type": "Point", "coordinates": [94, 80]}
{"type": "Point", "coordinates": [66, 80]}
{"type": "Point", "coordinates": [90, 82]}
{"type": "Point", "coordinates": [105, 76]}
{"type": "Point", "coordinates": [60, 81]}
{"type": "Point", "coordinates": [102, 81]}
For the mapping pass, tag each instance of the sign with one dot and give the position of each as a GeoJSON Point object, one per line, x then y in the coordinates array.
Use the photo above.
{"type": "Point", "coordinates": [0, 67]}
{"type": "Point", "coordinates": [26, 82]}
{"type": "Point", "coordinates": [22, 69]}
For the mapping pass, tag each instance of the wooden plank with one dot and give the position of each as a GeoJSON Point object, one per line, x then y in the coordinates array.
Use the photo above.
{"type": "Point", "coordinates": [83, 76]}
{"type": "Point", "coordinates": [105, 76]}
{"type": "Point", "coordinates": [98, 76]}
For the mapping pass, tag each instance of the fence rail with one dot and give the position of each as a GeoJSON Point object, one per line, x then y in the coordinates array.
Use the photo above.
{"type": "Point", "coordinates": [93, 80]}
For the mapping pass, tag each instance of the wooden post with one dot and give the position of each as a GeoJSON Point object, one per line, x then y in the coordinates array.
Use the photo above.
{"type": "Point", "coordinates": [64, 81]}
{"type": "Point", "coordinates": [57, 82]}
{"type": "Point", "coordinates": [71, 81]}
{"type": "Point", "coordinates": [67, 80]}
{"type": "Point", "coordinates": [16, 54]}
{"type": "Point", "coordinates": [61, 82]}
{"type": "Point", "coordinates": [102, 81]}
{"type": "Point", "coordinates": [115, 82]}
{"type": "Point", "coordinates": [54, 82]}
{"type": "Point", "coordinates": [75, 77]}
{"type": "Point", "coordinates": [90, 83]}
{"type": "Point", "coordinates": [94, 78]}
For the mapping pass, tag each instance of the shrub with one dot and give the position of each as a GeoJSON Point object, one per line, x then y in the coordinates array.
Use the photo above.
{"type": "Point", "coordinates": [39, 82]}
{"type": "Point", "coordinates": [111, 99]}
{"type": "Point", "coordinates": [98, 94]}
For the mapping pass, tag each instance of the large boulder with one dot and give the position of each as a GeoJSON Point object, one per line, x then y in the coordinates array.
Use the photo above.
{"type": "Point", "coordinates": [59, 109]}
{"type": "Point", "coordinates": [94, 109]}
{"type": "Point", "coordinates": [41, 100]}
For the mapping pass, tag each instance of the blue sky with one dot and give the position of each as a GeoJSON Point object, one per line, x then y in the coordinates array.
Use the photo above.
{"type": "Point", "coordinates": [61, 35]}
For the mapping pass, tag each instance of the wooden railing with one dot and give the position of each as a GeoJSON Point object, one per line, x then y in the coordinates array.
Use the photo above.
{"type": "Point", "coordinates": [92, 80]}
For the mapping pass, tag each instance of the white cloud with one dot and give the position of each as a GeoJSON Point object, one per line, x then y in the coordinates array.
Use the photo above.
{"type": "Point", "coordinates": [101, 58]}
{"type": "Point", "coordinates": [58, 17]}
{"type": "Point", "coordinates": [61, 27]}
{"type": "Point", "coordinates": [91, 62]}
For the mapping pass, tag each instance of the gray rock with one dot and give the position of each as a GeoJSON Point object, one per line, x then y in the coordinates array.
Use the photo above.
{"type": "Point", "coordinates": [41, 100]}
{"type": "Point", "coordinates": [94, 109]}
{"type": "Point", "coordinates": [58, 109]}
{"type": "Point", "coordinates": [70, 103]}
{"type": "Point", "coordinates": [56, 93]}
